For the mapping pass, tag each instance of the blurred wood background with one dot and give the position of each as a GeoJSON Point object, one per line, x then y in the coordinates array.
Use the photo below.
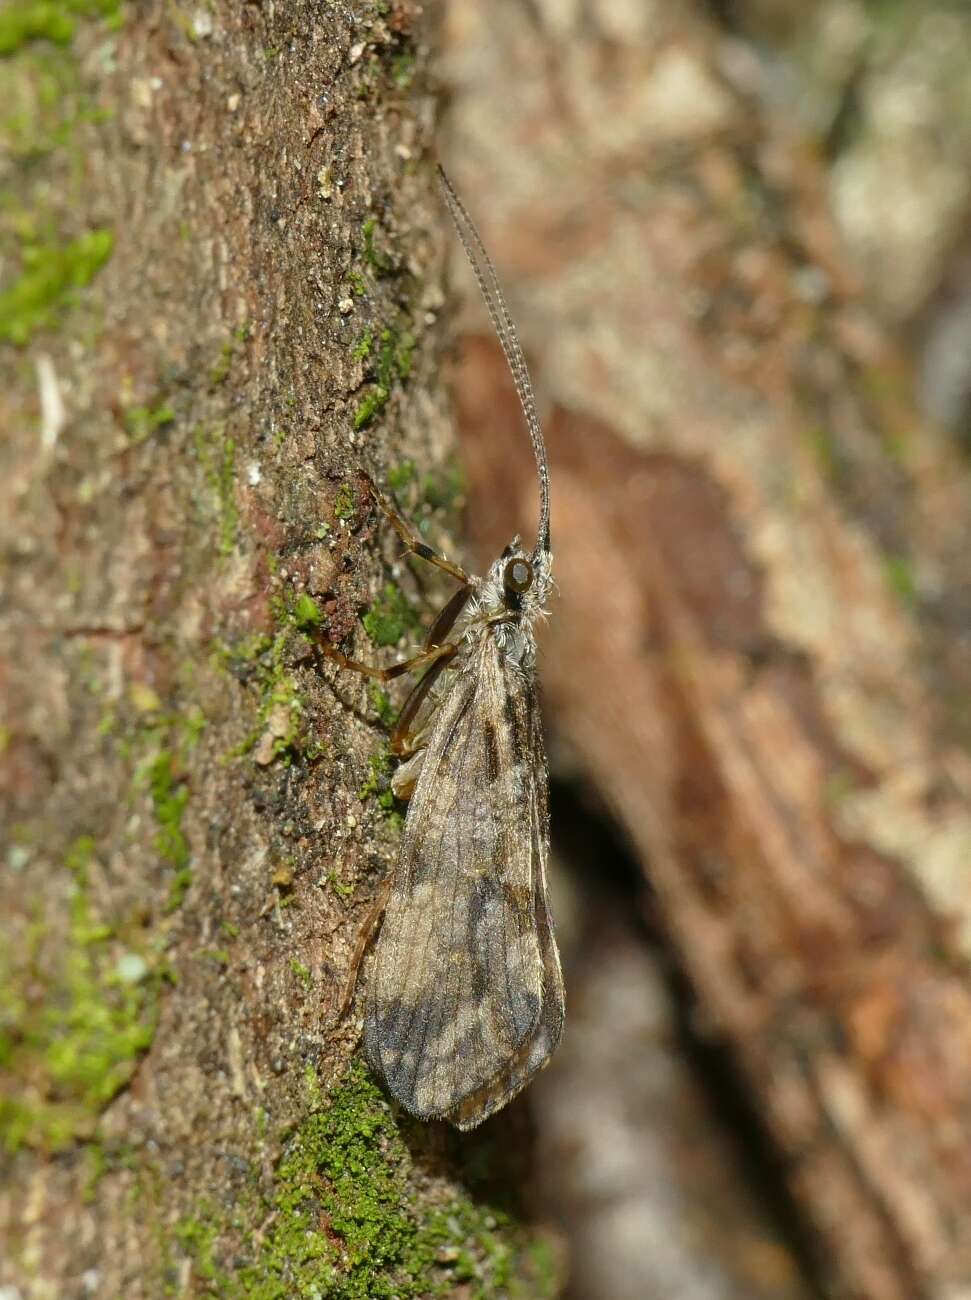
{"type": "Point", "coordinates": [759, 657]}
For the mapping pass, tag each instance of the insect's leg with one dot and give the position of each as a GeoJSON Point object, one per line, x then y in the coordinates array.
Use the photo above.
{"type": "Point", "coordinates": [363, 943]}
{"type": "Point", "coordinates": [409, 536]}
{"type": "Point", "coordinates": [412, 665]}
{"type": "Point", "coordinates": [446, 617]}
{"type": "Point", "coordinates": [400, 735]}
{"type": "Point", "coordinates": [439, 630]}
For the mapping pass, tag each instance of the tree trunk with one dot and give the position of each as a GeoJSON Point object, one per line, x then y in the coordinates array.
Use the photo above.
{"type": "Point", "coordinates": [759, 657]}
{"type": "Point", "coordinates": [221, 270]}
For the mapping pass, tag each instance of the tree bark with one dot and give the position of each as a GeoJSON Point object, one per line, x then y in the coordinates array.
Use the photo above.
{"type": "Point", "coordinates": [221, 296]}
{"type": "Point", "coordinates": [759, 654]}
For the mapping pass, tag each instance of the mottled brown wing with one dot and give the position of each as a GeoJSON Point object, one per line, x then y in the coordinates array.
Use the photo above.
{"type": "Point", "coordinates": [458, 982]}
{"type": "Point", "coordinates": [537, 1049]}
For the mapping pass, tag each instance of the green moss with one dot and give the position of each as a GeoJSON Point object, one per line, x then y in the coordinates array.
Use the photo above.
{"type": "Point", "coordinates": [390, 617]}
{"type": "Point", "coordinates": [403, 68]}
{"type": "Point", "coordinates": [312, 1090]}
{"type": "Point", "coordinates": [49, 20]}
{"type": "Point", "coordinates": [443, 489]}
{"type": "Point", "coordinates": [226, 487]}
{"type": "Point", "coordinates": [345, 502]}
{"type": "Point", "coordinates": [223, 365]}
{"type": "Point", "coordinates": [26, 22]}
{"type": "Point", "coordinates": [169, 798]}
{"type": "Point", "coordinates": [237, 654]}
{"type": "Point", "coordinates": [378, 787]}
{"type": "Point", "coordinates": [370, 405]}
{"type": "Point", "coordinates": [402, 353]}
{"type": "Point", "coordinates": [216, 452]}
{"type": "Point", "coordinates": [827, 450]}
{"type": "Point", "coordinates": [393, 362]}
{"type": "Point", "coordinates": [399, 476]}
{"type": "Point", "coordinates": [306, 612]}
{"type": "Point", "coordinates": [261, 662]}
{"type": "Point", "coordinates": [191, 725]}
{"type": "Point", "coordinates": [340, 887]}
{"type": "Point", "coordinates": [302, 972]}
{"type": "Point", "coordinates": [51, 278]}
{"type": "Point", "coordinates": [73, 1022]}
{"type": "Point", "coordinates": [169, 795]}
{"type": "Point", "coordinates": [378, 783]}
{"type": "Point", "coordinates": [95, 1166]}
{"type": "Point", "coordinates": [219, 372]}
{"type": "Point", "coordinates": [378, 260]}
{"type": "Point", "coordinates": [542, 1268]}
{"type": "Point", "coordinates": [217, 955]}
{"type": "Point", "coordinates": [381, 704]}
{"type": "Point", "coordinates": [43, 98]}
{"type": "Point", "coordinates": [899, 573]}
{"type": "Point", "coordinates": [142, 421]}
{"type": "Point", "coordinates": [362, 348]}
{"type": "Point", "coordinates": [344, 1220]}
{"type": "Point", "coordinates": [198, 1240]}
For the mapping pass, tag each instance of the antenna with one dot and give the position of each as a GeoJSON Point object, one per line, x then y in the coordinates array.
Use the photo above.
{"type": "Point", "coordinates": [485, 274]}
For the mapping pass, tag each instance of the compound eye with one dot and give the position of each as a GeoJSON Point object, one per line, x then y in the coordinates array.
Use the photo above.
{"type": "Point", "coordinates": [517, 576]}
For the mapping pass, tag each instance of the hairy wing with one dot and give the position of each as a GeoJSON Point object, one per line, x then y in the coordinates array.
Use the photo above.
{"type": "Point", "coordinates": [457, 979]}
{"type": "Point", "coordinates": [537, 1049]}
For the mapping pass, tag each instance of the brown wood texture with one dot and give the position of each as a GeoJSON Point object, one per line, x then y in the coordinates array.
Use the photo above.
{"type": "Point", "coordinates": [190, 839]}
{"type": "Point", "coordinates": [759, 652]}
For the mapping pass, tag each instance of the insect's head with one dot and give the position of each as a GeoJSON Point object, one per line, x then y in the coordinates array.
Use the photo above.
{"type": "Point", "coordinates": [518, 583]}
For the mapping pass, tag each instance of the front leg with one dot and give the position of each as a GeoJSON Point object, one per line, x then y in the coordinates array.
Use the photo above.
{"type": "Point", "coordinates": [412, 665]}
{"type": "Point", "coordinates": [410, 537]}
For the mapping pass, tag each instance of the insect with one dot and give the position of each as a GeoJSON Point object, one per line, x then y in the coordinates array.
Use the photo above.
{"type": "Point", "coordinates": [464, 1001]}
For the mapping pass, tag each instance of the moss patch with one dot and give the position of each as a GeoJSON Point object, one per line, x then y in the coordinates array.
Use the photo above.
{"type": "Point", "coordinates": [42, 99]}
{"type": "Point", "coordinates": [377, 259]}
{"type": "Point", "coordinates": [362, 348]}
{"type": "Point", "coordinates": [306, 612]}
{"type": "Point", "coordinates": [392, 362]}
{"type": "Point", "coordinates": [390, 617]}
{"type": "Point", "coordinates": [74, 1019]}
{"type": "Point", "coordinates": [381, 704]}
{"type": "Point", "coordinates": [142, 421]}
{"type": "Point", "coordinates": [399, 476]}
{"type": "Point", "coordinates": [344, 502]}
{"type": "Point", "coordinates": [262, 662]}
{"type": "Point", "coordinates": [375, 400]}
{"type": "Point", "coordinates": [161, 742]}
{"type": "Point", "coordinates": [216, 453]}
{"type": "Point", "coordinates": [444, 489]}
{"type": "Point", "coordinates": [345, 1221]}
{"type": "Point", "coordinates": [26, 22]}
{"type": "Point", "coordinates": [49, 20]}
{"type": "Point", "coordinates": [899, 573]}
{"type": "Point", "coordinates": [51, 277]}
{"type": "Point", "coordinates": [169, 797]}
{"type": "Point", "coordinates": [219, 372]}
{"type": "Point", "coordinates": [378, 787]}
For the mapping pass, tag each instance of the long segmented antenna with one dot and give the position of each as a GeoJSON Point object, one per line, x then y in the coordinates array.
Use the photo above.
{"type": "Point", "coordinates": [485, 274]}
